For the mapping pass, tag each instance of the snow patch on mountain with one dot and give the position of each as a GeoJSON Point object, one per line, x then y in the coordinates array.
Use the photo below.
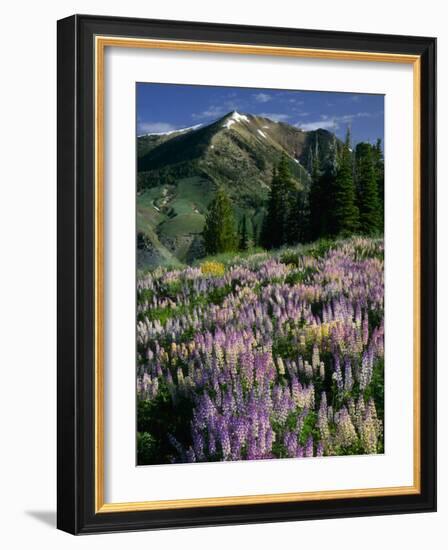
{"type": "Point", "coordinates": [234, 117]}
{"type": "Point", "coordinates": [179, 130]}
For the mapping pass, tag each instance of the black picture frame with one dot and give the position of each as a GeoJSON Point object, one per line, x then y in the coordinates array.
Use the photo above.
{"type": "Point", "coordinates": [76, 256]}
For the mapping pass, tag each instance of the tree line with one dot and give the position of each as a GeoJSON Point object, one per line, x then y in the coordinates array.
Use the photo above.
{"type": "Point", "coordinates": [345, 197]}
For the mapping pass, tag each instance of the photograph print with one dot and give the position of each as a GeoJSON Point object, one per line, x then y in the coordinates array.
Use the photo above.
{"type": "Point", "coordinates": [260, 274]}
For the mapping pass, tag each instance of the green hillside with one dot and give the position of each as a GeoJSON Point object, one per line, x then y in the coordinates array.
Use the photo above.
{"type": "Point", "coordinates": [179, 172]}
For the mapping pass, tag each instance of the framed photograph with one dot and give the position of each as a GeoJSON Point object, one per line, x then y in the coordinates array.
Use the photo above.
{"type": "Point", "coordinates": [246, 274]}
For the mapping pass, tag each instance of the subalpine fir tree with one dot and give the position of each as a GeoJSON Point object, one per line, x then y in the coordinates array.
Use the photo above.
{"type": "Point", "coordinates": [219, 231]}
{"type": "Point", "coordinates": [322, 187]}
{"type": "Point", "coordinates": [301, 216]}
{"type": "Point", "coordinates": [277, 227]}
{"type": "Point", "coordinates": [256, 237]}
{"type": "Point", "coordinates": [345, 213]}
{"type": "Point", "coordinates": [288, 201]}
{"type": "Point", "coordinates": [244, 243]}
{"type": "Point", "coordinates": [370, 221]}
{"type": "Point", "coordinates": [271, 235]}
{"type": "Point", "coordinates": [378, 161]}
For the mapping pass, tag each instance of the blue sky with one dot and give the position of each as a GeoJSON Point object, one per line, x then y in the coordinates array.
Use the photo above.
{"type": "Point", "coordinates": [166, 107]}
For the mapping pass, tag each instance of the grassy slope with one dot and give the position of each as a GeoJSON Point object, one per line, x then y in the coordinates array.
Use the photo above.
{"type": "Point", "coordinates": [172, 215]}
{"type": "Point", "coordinates": [171, 211]}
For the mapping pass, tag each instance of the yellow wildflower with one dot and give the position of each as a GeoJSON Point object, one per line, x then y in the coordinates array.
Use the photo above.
{"type": "Point", "coordinates": [213, 268]}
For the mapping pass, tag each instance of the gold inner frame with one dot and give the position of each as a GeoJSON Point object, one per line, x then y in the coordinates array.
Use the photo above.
{"type": "Point", "coordinates": [101, 42]}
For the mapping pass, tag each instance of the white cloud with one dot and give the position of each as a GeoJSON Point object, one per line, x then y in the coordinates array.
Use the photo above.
{"type": "Point", "coordinates": [278, 117]}
{"type": "Point", "coordinates": [155, 127]}
{"type": "Point", "coordinates": [331, 123]}
{"type": "Point", "coordinates": [262, 97]}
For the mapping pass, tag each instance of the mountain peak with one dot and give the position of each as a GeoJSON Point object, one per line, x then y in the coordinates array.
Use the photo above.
{"type": "Point", "coordinates": [179, 173]}
{"type": "Point", "coordinates": [233, 117]}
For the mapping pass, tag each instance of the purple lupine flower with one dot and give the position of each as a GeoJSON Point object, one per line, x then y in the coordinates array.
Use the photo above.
{"type": "Point", "coordinates": [224, 440]}
{"type": "Point", "coordinates": [348, 378]}
{"type": "Point", "coordinates": [337, 374]}
{"type": "Point", "coordinates": [309, 447]}
{"type": "Point", "coordinates": [291, 444]}
{"type": "Point", "coordinates": [315, 362]}
{"type": "Point", "coordinates": [345, 431]}
{"type": "Point", "coordinates": [190, 455]}
{"type": "Point", "coordinates": [224, 357]}
{"type": "Point", "coordinates": [320, 449]}
{"type": "Point", "coordinates": [198, 444]}
{"type": "Point", "coordinates": [366, 370]}
{"type": "Point", "coordinates": [211, 443]}
{"type": "Point", "coordinates": [365, 329]}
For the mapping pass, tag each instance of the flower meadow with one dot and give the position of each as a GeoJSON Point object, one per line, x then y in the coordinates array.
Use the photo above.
{"type": "Point", "coordinates": [263, 355]}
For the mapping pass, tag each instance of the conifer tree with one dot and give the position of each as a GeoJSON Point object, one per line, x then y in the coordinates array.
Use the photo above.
{"type": "Point", "coordinates": [256, 237]}
{"type": "Point", "coordinates": [367, 190]}
{"type": "Point", "coordinates": [219, 231]}
{"type": "Point", "coordinates": [271, 234]}
{"type": "Point", "coordinates": [244, 243]}
{"type": "Point", "coordinates": [378, 160]}
{"type": "Point", "coordinates": [322, 188]}
{"type": "Point", "coordinates": [278, 228]}
{"type": "Point", "coordinates": [301, 214]}
{"type": "Point", "coordinates": [288, 217]}
{"type": "Point", "coordinates": [345, 212]}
